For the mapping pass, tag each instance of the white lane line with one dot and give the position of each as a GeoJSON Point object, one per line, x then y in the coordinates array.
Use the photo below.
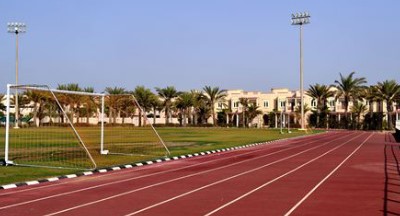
{"type": "Point", "coordinates": [326, 177]}
{"type": "Point", "coordinates": [152, 174]}
{"type": "Point", "coordinates": [221, 181]}
{"type": "Point", "coordinates": [276, 179]}
{"type": "Point", "coordinates": [176, 179]}
{"type": "Point", "coordinates": [295, 139]}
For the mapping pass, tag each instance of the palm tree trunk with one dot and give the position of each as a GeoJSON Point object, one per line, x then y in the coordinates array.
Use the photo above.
{"type": "Point", "coordinates": [184, 117]}
{"type": "Point", "coordinates": [140, 118]}
{"type": "Point", "coordinates": [166, 116]}
{"type": "Point", "coordinates": [154, 115]}
{"type": "Point", "coordinates": [389, 110]}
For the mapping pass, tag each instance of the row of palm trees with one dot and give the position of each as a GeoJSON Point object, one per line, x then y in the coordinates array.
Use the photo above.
{"type": "Point", "coordinates": [353, 89]}
{"type": "Point", "coordinates": [196, 107]}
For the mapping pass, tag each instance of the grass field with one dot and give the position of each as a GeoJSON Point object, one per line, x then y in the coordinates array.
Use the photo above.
{"type": "Point", "coordinates": [179, 141]}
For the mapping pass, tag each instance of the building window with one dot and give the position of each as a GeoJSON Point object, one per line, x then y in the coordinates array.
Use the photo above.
{"type": "Point", "coordinates": [313, 103]}
{"type": "Point", "coordinates": [219, 105]}
{"type": "Point", "coordinates": [332, 103]}
{"type": "Point", "coordinates": [282, 104]}
{"type": "Point", "coordinates": [236, 104]}
{"type": "Point", "coordinates": [266, 104]}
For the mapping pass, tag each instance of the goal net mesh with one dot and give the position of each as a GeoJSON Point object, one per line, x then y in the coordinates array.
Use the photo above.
{"type": "Point", "coordinates": [41, 131]}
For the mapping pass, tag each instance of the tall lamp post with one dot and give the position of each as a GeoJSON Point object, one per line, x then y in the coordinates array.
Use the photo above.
{"type": "Point", "coordinates": [301, 19]}
{"type": "Point", "coordinates": [16, 28]}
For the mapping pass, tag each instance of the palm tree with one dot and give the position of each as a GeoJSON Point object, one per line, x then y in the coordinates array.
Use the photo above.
{"type": "Point", "coordinates": [113, 99]}
{"type": "Point", "coordinates": [358, 108]}
{"type": "Point", "coordinates": [320, 93]}
{"type": "Point", "coordinates": [370, 95]}
{"type": "Point", "coordinates": [2, 106]}
{"type": "Point", "coordinates": [144, 97]}
{"type": "Point", "coordinates": [297, 111]}
{"type": "Point", "coordinates": [90, 103]}
{"type": "Point", "coordinates": [245, 105]}
{"type": "Point", "coordinates": [38, 99]}
{"type": "Point", "coordinates": [184, 102]}
{"type": "Point", "coordinates": [253, 112]}
{"type": "Point", "coordinates": [167, 94]}
{"type": "Point", "coordinates": [349, 89]}
{"type": "Point", "coordinates": [156, 104]}
{"type": "Point", "coordinates": [72, 101]}
{"type": "Point", "coordinates": [214, 95]}
{"type": "Point", "coordinates": [388, 91]}
{"type": "Point", "coordinates": [198, 101]}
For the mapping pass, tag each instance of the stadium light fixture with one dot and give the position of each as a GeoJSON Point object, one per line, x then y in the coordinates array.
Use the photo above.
{"type": "Point", "coordinates": [301, 19]}
{"type": "Point", "coordinates": [16, 28]}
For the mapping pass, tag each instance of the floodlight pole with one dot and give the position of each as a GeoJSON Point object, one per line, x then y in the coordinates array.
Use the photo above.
{"type": "Point", "coordinates": [16, 28]}
{"type": "Point", "coordinates": [301, 19]}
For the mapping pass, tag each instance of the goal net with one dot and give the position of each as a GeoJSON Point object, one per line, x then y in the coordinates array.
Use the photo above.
{"type": "Point", "coordinates": [74, 129]}
{"type": "Point", "coordinates": [128, 131]}
{"type": "Point", "coordinates": [40, 129]}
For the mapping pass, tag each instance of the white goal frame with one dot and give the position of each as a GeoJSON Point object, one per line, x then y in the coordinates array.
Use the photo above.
{"type": "Point", "coordinates": [52, 91]}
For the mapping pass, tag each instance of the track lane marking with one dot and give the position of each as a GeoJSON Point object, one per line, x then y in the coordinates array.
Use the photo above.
{"type": "Point", "coordinates": [326, 177]}
{"type": "Point", "coordinates": [152, 174]}
{"type": "Point", "coordinates": [256, 149]}
{"type": "Point", "coordinates": [276, 179]}
{"type": "Point", "coordinates": [187, 176]}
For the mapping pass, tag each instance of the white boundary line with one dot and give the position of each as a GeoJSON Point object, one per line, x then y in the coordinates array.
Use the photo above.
{"type": "Point", "coordinates": [276, 179]}
{"type": "Point", "coordinates": [152, 174]}
{"type": "Point", "coordinates": [326, 177]}
{"type": "Point", "coordinates": [260, 145]}
{"type": "Point", "coordinates": [128, 166]}
{"type": "Point", "coordinates": [188, 176]}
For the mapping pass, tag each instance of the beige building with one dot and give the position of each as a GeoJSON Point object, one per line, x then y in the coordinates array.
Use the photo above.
{"type": "Point", "coordinates": [281, 104]}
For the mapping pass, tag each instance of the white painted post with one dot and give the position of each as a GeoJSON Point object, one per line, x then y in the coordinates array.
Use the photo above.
{"type": "Point", "coordinates": [7, 126]}
{"type": "Point", "coordinates": [102, 151]}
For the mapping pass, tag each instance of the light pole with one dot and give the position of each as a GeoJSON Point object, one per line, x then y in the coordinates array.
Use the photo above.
{"type": "Point", "coordinates": [16, 28]}
{"type": "Point", "coordinates": [301, 19]}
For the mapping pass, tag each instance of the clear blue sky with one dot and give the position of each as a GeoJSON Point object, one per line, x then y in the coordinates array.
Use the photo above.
{"type": "Point", "coordinates": [247, 44]}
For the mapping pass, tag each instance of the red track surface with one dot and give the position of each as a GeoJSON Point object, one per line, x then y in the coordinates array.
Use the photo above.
{"type": "Point", "coordinates": [337, 173]}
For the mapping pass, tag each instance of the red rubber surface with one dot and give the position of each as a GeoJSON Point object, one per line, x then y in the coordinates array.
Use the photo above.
{"type": "Point", "coordinates": [337, 173]}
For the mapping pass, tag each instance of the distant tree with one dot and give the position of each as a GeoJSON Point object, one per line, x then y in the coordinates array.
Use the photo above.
{"type": "Point", "coordinates": [167, 94]}
{"type": "Point", "coordinates": [113, 99]}
{"type": "Point", "coordinates": [359, 109]}
{"type": "Point", "coordinates": [297, 111]}
{"type": "Point", "coordinates": [89, 103]}
{"type": "Point", "coordinates": [320, 93]}
{"type": "Point", "coordinates": [388, 91]}
{"type": "Point", "coordinates": [349, 89]}
{"type": "Point", "coordinates": [144, 97]}
{"type": "Point", "coordinates": [253, 112]}
{"type": "Point", "coordinates": [214, 94]}
{"type": "Point", "coordinates": [2, 106]}
{"type": "Point", "coordinates": [245, 106]}
{"type": "Point", "coordinates": [38, 99]}
{"type": "Point", "coordinates": [184, 102]}
{"type": "Point", "coordinates": [72, 102]}
{"type": "Point", "coordinates": [156, 105]}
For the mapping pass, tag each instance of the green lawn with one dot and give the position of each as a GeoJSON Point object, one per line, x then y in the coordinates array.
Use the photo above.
{"type": "Point", "coordinates": [179, 141]}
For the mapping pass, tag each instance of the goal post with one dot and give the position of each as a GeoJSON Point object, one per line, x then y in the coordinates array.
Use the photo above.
{"type": "Point", "coordinates": [129, 131]}
{"type": "Point", "coordinates": [79, 130]}
{"type": "Point", "coordinates": [44, 134]}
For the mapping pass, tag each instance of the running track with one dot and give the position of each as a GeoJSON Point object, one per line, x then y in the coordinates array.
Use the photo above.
{"type": "Point", "coordinates": [336, 173]}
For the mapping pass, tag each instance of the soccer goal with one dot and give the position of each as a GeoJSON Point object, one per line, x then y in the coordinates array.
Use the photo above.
{"type": "Point", "coordinates": [73, 129]}
{"type": "Point", "coordinates": [128, 131]}
{"type": "Point", "coordinates": [40, 129]}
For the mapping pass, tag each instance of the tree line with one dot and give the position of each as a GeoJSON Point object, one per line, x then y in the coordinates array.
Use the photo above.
{"type": "Point", "coordinates": [361, 115]}
{"type": "Point", "coordinates": [196, 107]}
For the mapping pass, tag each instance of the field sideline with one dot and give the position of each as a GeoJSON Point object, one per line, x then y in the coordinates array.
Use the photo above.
{"type": "Point", "coordinates": [179, 140]}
